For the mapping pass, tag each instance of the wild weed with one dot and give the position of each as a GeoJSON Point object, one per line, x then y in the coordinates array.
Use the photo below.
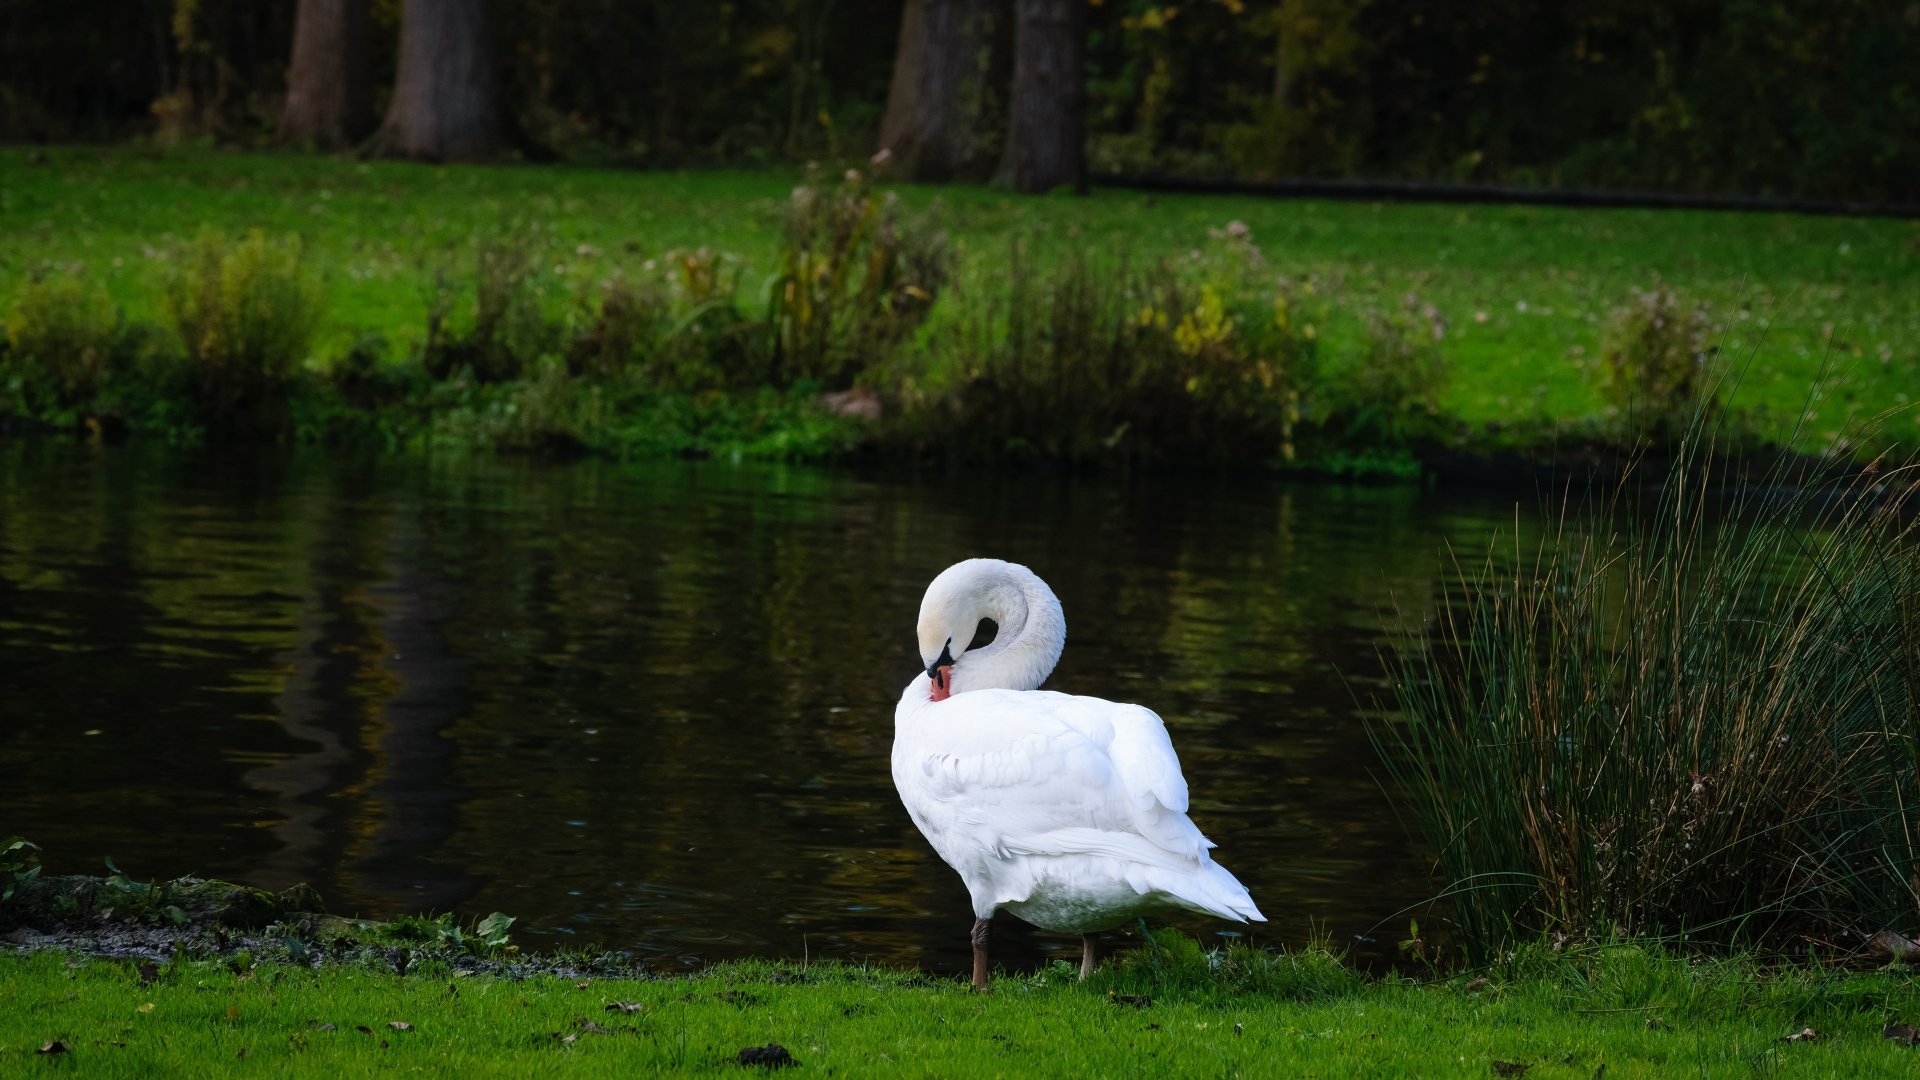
{"type": "Point", "coordinates": [1657, 363]}
{"type": "Point", "coordinates": [1391, 390]}
{"type": "Point", "coordinates": [508, 328]}
{"type": "Point", "coordinates": [19, 866]}
{"type": "Point", "coordinates": [246, 313]}
{"type": "Point", "coordinates": [1077, 364]}
{"type": "Point", "coordinates": [1694, 717]}
{"type": "Point", "coordinates": [60, 342]}
{"type": "Point", "coordinates": [855, 279]}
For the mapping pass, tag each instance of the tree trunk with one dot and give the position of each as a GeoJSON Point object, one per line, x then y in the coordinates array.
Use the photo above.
{"type": "Point", "coordinates": [1046, 135]}
{"type": "Point", "coordinates": [939, 97]}
{"type": "Point", "coordinates": [328, 103]}
{"type": "Point", "coordinates": [445, 105]}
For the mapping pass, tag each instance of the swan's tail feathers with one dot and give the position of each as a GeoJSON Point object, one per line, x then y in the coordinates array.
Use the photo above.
{"type": "Point", "coordinates": [1213, 890]}
{"type": "Point", "coordinates": [1200, 884]}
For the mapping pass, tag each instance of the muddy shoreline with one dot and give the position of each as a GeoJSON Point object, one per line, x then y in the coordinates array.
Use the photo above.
{"type": "Point", "coordinates": [196, 918]}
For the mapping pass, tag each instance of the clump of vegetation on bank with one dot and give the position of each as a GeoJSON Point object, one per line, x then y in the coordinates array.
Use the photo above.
{"type": "Point", "coordinates": [1690, 714]}
{"type": "Point", "coordinates": [1193, 348]}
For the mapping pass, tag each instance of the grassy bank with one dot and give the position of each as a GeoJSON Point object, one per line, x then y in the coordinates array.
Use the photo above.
{"type": "Point", "coordinates": [1124, 324]}
{"type": "Point", "coordinates": [1617, 1012]}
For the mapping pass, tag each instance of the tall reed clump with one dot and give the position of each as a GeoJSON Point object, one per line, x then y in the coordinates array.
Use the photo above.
{"type": "Point", "coordinates": [1196, 362]}
{"type": "Point", "coordinates": [856, 277]}
{"type": "Point", "coordinates": [60, 344]}
{"type": "Point", "coordinates": [1695, 719]}
{"type": "Point", "coordinates": [246, 313]}
{"type": "Point", "coordinates": [1657, 363]}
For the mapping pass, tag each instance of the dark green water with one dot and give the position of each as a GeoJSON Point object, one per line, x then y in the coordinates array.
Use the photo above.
{"type": "Point", "coordinates": [650, 706]}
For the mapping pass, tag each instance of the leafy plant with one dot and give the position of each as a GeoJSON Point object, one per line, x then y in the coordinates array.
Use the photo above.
{"type": "Point", "coordinates": [1657, 362]}
{"type": "Point", "coordinates": [19, 866]}
{"type": "Point", "coordinates": [508, 328]}
{"type": "Point", "coordinates": [142, 900]}
{"type": "Point", "coordinates": [1391, 390]}
{"type": "Point", "coordinates": [246, 313]}
{"type": "Point", "coordinates": [855, 279]}
{"type": "Point", "coordinates": [443, 931]}
{"type": "Point", "coordinates": [60, 336]}
{"type": "Point", "coordinates": [1202, 360]}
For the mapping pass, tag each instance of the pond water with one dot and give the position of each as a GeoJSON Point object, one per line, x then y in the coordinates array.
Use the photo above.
{"type": "Point", "coordinates": [649, 707]}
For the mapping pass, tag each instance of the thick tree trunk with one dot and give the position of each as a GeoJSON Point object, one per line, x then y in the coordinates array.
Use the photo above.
{"type": "Point", "coordinates": [1046, 133]}
{"type": "Point", "coordinates": [936, 105]}
{"type": "Point", "coordinates": [328, 99]}
{"type": "Point", "coordinates": [445, 104]}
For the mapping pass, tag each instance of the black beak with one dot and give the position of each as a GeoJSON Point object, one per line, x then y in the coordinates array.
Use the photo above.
{"type": "Point", "coordinates": [946, 657]}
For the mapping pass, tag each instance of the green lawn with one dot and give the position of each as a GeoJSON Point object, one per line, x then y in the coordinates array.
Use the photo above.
{"type": "Point", "coordinates": [1616, 1014]}
{"type": "Point", "coordinates": [1524, 289]}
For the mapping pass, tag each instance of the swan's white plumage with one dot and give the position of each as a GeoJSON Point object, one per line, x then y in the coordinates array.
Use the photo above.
{"type": "Point", "coordinates": [1068, 811]}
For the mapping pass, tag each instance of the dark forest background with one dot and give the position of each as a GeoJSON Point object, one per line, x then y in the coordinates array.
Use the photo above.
{"type": "Point", "coordinates": [1764, 97]}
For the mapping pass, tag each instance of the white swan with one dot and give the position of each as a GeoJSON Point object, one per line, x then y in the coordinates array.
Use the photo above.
{"type": "Point", "coordinates": [1069, 812]}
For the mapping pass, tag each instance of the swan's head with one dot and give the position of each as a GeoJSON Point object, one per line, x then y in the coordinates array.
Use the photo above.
{"type": "Point", "coordinates": [980, 607]}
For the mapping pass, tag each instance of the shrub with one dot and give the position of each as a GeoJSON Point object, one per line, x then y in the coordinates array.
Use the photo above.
{"type": "Point", "coordinates": [1657, 362]}
{"type": "Point", "coordinates": [1391, 391]}
{"type": "Point", "coordinates": [1697, 719]}
{"type": "Point", "coordinates": [509, 327]}
{"type": "Point", "coordinates": [61, 336]}
{"type": "Point", "coordinates": [855, 279]}
{"type": "Point", "coordinates": [246, 313]}
{"type": "Point", "coordinates": [677, 326]}
{"type": "Point", "coordinates": [1200, 361]}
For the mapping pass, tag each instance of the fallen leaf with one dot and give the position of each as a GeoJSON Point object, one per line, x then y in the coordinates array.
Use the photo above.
{"type": "Point", "coordinates": [363, 1029]}
{"type": "Point", "coordinates": [145, 1007]}
{"type": "Point", "coordinates": [625, 1006]}
{"type": "Point", "coordinates": [1902, 1033]}
{"type": "Point", "coordinates": [770, 1056]}
{"type": "Point", "coordinates": [1805, 1034]}
{"type": "Point", "coordinates": [233, 1012]}
{"type": "Point", "coordinates": [399, 1025]}
{"type": "Point", "coordinates": [52, 1046]}
{"type": "Point", "coordinates": [583, 984]}
{"type": "Point", "coordinates": [1511, 1068]}
{"type": "Point", "coordinates": [318, 1026]}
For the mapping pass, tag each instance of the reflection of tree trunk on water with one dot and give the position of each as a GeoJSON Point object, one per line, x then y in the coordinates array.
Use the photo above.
{"type": "Point", "coordinates": [373, 687]}
{"type": "Point", "coordinates": [414, 760]}
{"type": "Point", "coordinates": [314, 706]}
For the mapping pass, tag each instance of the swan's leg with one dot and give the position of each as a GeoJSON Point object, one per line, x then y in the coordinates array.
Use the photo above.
{"type": "Point", "coordinates": [981, 929]}
{"type": "Point", "coordinates": [1089, 955]}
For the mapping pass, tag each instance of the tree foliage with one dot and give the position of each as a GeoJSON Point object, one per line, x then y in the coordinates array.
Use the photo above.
{"type": "Point", "coordinates": [1764, 97]}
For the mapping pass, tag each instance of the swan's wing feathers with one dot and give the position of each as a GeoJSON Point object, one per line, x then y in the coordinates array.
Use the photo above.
{"type": "Point", "coordinates": [1148, 775]}
{"type": "Point", "coordinates": [1012, 762]}
{"type": "Point", "coordinates": [1030, 764]}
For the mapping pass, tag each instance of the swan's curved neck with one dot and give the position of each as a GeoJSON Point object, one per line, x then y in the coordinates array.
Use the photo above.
{"type": "Point", "coordinates": [1032, 631]}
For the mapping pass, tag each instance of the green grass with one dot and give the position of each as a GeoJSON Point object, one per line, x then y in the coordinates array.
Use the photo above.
{"type": "Point", "coordinates": [1616, 1012]}
{"type": "Point", "coordinates": [1525, 290]}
